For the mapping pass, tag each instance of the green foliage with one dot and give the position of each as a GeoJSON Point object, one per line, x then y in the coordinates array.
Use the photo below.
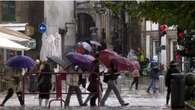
{"type": "Point", "coordinates": [179, 13]}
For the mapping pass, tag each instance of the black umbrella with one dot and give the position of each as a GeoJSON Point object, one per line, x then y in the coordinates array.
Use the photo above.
{"type": "Point", "coordinates": [61, 62]}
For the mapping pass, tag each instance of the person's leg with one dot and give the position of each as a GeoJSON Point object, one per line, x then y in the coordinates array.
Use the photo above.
{"type": "Point", "coordinates": [40, 101]}
{"type": "Point", "coordinates": [79, 97]}
{"type": "Point", "coordinates": [46, 102]}
{"type": "Point", "coordinates": [93, 100]}
{"type": "Point", "coordinates": [132, 83]}
{"type": "Point", "coordinates": [155, 88]}
{"type": "Point", "coordinates": [20, 98]}
{"type": "Point", "coordinates": [115, 89]}
{"type": "Point", "coordinates": [88, 98]}
{"type": "Point", "coordinates": [102, 101]}
{"type": "Point", "coordinates": [136, 83]}
{"type": "Point", "coordinates": [67, 101]}
{"type": "Point", "coordinates": [8, 96]}
{"type": "Point", "coordinates": [168, 95]}
{"type": "Point", "coordinates": [150, 85]}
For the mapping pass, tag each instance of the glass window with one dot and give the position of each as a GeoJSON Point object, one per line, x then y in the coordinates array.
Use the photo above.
{"type": "Point", "coordinates": [8, 11]}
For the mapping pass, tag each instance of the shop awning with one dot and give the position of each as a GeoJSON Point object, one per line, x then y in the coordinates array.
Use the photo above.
{"type": "Point", "coordinates": [13, 35]}
{"type": "Point", "coordinates": [8, 44]}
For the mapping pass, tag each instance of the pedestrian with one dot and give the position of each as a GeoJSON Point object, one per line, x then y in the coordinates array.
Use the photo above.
{"type": "Point", "coordinates": [44, 83]}
{"type": "Point", "coordinates": [135, 73]}
{"type": "Point", "coordinates": [154, 75]}
{"type": "Point", "coordinates": [94, 85]}
{"type": "Point", "coordinates": [110, 78]}
{"type": "Point", "coordinates": [172, 69]}
{"type": "Point", "coordinates": [72, 79]}
{"type": "Point", "coordinates": [15, 85]}
{"type": "Point", "coordinates": [33, 76]}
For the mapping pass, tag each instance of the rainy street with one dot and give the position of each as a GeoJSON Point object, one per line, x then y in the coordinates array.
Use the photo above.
{"type": "Point", "coordinates": [97, 55]}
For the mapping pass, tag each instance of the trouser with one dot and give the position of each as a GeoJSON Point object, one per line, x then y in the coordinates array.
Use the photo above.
{"type": "Point", "coordinates": [10, 94]}
{"type": "Point", "coordinates": [135, 81]}
{"type": "Point", "coordinates": [72, 89]}
{"type": "Point", "coordinates": [92, 97]}
{"type": "Point", "coordinates": [111, 86]}
{"type": "Point", "coordinates": [152, 85]}
{"type": "Point", "coordinates": [168, 94]}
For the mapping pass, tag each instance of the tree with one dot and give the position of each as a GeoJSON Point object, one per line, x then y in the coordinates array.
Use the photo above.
{"type": "Point", "coordinates": [180, 13]}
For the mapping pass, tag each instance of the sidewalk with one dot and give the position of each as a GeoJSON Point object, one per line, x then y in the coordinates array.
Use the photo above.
{"type": "Point", "coordinates": [138, 100]}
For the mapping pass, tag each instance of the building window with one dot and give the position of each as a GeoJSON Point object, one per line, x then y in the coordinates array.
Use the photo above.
{"type": "Point", "coordinates": [8, 11]}
{"type": "Point", "coordinates": [156, 48]}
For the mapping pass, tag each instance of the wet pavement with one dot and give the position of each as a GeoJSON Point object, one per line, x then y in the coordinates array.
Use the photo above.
{"type": "Point", "coordinates": [138, 100]}
{"type": "Point", "coordinates": [85, 108]}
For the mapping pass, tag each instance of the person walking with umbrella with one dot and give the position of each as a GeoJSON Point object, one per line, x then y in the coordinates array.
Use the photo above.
{"type": "Point", "coordinates": [17, 63]}
{"type": "Point", "coordinates": [94, 85]}
{"type": "Point", "coordinates": [15, 85]}
{"type": "Point", "coordinates": [110, 78]}
{"type": "Point", "coordinates": [172, 69]}
{"type": "Point", "coordinates": [73, 82]}
{"type": "Point", "coordinates": [44, 83]}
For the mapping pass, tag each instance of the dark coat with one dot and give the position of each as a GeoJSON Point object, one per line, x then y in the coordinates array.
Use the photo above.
{"type": "Point", "coordinates": [154, 73]}
{"type": "Point", "coordinates": [168, 77]}
{"type": "Point", "coordinates": [94, 83]}
{"type": "Point", "coordinates": [44, 84]}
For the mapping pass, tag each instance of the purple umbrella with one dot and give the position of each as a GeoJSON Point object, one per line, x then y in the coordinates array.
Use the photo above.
{"type": "Point", "coordinates": [81, 60]}
{"type": "Point", "coordinates": [20, 61]}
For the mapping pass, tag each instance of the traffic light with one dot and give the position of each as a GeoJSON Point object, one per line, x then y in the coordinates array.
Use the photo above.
{"type": "Point", "coordinates": [163, 29]}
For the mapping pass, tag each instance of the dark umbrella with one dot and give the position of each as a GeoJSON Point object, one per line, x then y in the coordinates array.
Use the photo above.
{"type": "Point", "coordinates": [81, 60]}
{"type": "Point", "coordinates": [20, 61]}
{"type": "Point", "coordinates": [61, 62]}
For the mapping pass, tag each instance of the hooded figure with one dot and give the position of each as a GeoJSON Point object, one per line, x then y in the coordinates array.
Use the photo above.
{"type": "Point", "coordinates": [172, 69]}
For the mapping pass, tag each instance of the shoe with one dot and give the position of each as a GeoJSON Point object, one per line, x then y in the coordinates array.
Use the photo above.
{"type": "Point", "coordinates": [101, 104]}
{"type": "Point", "coordinates": [148, 91]}
{"type": "Point", "coordinates": [125, 104]}
{"type": "Point", "coordinates": [84, 105]}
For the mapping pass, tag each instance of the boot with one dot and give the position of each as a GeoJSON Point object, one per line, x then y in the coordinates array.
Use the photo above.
{"type": "Point", "coordinates": [20, 98]}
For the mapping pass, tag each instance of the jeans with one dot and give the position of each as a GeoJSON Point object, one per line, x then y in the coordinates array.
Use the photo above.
{"type": "Point", "coordinates": [71, 90]}
{"type": "Point", "coordinates": [152, 85]}
{"type": "Point", "coordinates": [112, 86]}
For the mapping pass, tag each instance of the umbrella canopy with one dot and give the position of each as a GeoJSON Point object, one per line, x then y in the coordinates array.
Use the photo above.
{"type": "Point", "coordinates": [95, 43]}
{"type": "Point", "coordinates": [122, 64]}
{"type": "Point", "coordinates": [81, 60]}
{"type": "Point", "coordinates": [91, 58]}
{"type": "Point", "coordinates": [20, 61]}
{"type": "Point", "coordinates": [61, 62]}
{"type": "Point", "coordinates": [8, 44]}
{"type": "Point", "coordinates": [106, 55]}
{"type": "Point", "coordinates": [13, 35]}
{"type": "Point", "coordinates": [86, 46]}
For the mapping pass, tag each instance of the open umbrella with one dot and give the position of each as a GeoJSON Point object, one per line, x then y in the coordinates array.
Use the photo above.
{"type": "Point", "coordinates": [86, 46]}
{"type": "Point", "coordinates": [81, 60]}
{"type": "Point", "coordinates": [106, 55]}
{"type": "Point", "coordinates": [95, 43]}
{"type": "Point", "coordinates": [20, 61]}
{"type": "Point", "coordinates": [122, 63]}
{"type": "Point", "coordinates": [61, 62]}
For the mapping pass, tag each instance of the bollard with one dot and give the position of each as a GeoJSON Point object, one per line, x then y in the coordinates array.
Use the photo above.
{"type": "Point", "coordinates": [161, 84]}
{"type": "Point", "coordinates": [177, 90]}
